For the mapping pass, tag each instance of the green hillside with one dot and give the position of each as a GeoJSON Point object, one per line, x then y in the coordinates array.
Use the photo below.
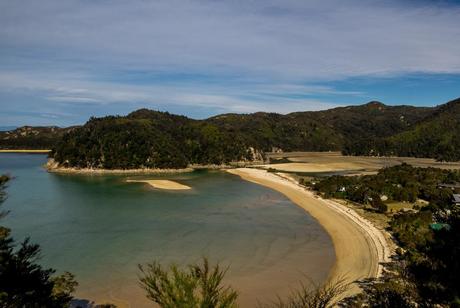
{"type": "Point", "coordinates": [435, 136]}
{"type": "Point", "coordinates": [148, 139]}
{"type": "Point", "coordinates": [28, 137]}
{"type": "Point", "coordinates": [152, 139]}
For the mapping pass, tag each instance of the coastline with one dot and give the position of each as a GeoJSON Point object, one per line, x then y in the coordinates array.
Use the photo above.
{"type": "Point", "coordinates": [53, 167]}
{"type": "Point", "coordinates": [360, 248]}
{"type": "Point", "coordinates": [89, 171]}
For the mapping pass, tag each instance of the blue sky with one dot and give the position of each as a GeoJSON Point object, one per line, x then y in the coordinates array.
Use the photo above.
{"type": "Point", "coordinates": [64, 61]}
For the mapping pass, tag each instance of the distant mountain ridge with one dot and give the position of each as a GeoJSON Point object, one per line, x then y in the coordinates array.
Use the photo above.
{"type": "Point", "coordinates": [436, 135]}
{"type": "Point", "coordinates": [152, 139]}
{"type": "Point", "coordinates": [32, 137]}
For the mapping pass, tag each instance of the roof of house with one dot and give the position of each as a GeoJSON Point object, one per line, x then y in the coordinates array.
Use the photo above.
{"type": "Point", "coordinates": [439, 226]}
{"type": "Point", "coordinates": [456, 198]}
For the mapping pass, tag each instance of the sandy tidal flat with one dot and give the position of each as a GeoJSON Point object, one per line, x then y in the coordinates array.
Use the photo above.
{"type": "Point", "coordinates": [162, 184]}
{"type": "Point", "coordinates": [319, 162]}
{"type": "Point", "coordinates": [359, 246]}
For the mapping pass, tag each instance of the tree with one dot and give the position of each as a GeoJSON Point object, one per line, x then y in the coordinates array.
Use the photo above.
{"type": "Point", "coordinates": [315, 296]}
{"type": "Point", "coordinates": [23, 282]}
{"type": "Point", "coordinates": [196, 286]}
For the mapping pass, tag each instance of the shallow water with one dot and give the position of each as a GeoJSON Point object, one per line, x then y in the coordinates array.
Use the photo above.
{"type": "Point", "coordinates": [100, 228]}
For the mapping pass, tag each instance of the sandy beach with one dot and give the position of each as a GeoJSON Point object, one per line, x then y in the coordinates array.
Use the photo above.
{"type": "Point", "coordinates": [359, 246]}
{"type": "Point", "coordinates": [319, 162]}
{"type": "Point", "coordinates": [162, 184]}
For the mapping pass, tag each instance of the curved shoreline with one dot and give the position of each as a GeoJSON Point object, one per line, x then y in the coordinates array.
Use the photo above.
{"type": "Point", "coordinates": [360, 248]}
{"type": "Point", "coordinates": [54, 167]}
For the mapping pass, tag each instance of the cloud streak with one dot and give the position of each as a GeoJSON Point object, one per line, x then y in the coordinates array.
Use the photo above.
{"type": "Point", "coordinates": [239, 56]}
{"type": "Point", "coordinates": [308, 39]}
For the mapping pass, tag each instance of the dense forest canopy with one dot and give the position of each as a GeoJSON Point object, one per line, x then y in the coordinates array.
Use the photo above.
{"type": "Point", "coordinates": [403, 183]}
{"type": "Point", "coordinates": [28, 137]}
{"type": "Point", "coordinates": [425, 270]}
{"type": "Point", "coordinates": [147, 138]}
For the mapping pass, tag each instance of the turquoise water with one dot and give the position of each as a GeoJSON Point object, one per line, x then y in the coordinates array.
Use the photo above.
{"type": "Point", "coordinates": [100, 228]}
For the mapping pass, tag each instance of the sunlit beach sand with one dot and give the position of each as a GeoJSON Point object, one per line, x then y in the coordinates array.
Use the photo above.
{"type": "Point", "coordinates": [162, 184]}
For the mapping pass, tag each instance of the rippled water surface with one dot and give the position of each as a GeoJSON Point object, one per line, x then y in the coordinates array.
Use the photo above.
{"type": "Point", "coordinates": [100, 228]}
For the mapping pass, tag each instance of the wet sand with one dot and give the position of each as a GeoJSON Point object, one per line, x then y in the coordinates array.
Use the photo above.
{"type": "Point", "coordinates": [162, 184]}
{"type": "Point", "coordinates": [359, 246]}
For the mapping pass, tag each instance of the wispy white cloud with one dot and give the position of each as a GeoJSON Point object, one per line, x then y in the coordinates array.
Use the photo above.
{"type": "Point", "coordinates": [256, 55]}
{"type": "Point", "coordinates": [228, 98]}
{"type": "Point", "coordinates": [308, 39]}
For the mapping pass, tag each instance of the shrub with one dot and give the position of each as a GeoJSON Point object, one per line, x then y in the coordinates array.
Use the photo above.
{"type": "Point", "coordinates": [192, 287]}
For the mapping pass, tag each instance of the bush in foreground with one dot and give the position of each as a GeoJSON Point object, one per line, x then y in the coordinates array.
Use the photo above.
{"type": "Point", "coordinates": [314, 296]}
{"type": "Point", "coordinates": [23, 282]}
{"type": "Point", "coordinates": [195, 286]}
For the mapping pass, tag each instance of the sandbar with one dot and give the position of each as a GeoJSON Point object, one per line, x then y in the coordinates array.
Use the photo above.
{"type": "Point", "coordinates": [319, 162]}
{"type": "Point", "coordinates": [360, 248]}
{"type": "Point", "coordinates": [162, 184]}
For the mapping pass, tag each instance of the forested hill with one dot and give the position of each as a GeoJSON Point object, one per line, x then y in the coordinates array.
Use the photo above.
{"type": "Point", "coordinates": [153, 139]}
{"type": "Point", "coordinates": [150, 139]}
{"type": "Point", "coordinates": [436, 135]}
{"type": "Point", "coordinates": [28, 137]}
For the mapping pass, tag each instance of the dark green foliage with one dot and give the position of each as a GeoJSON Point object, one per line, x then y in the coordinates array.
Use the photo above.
{"type": "Point", "coordinates": [378, 204]}
{"type": "Point", "coordinates": [3, 180]}
{"type": "Point", "coordinates": [426, 271]}
{"type": "Point", "coordinates": [388, 292]}
{"type": "Point", "coordinates": [28, 137]}
{"type": "Point", "coordinates": [197, 286]}
{"type": "Point", "coordinates": [292, 132]}
{"type": "Point", "coordinates": [435, 136]}
{"type": "Point", "coordinates": [148, 138]}
{"type": "Point", "coordinates": [24, 283]}
{"type": "Point", "coordinates": [314, 296]}
{"type": "Point", "coordinates": [397, 183]}
{"type": "Point", "coordinates": [412, 230]}
{"type": "Point", "coordinates": [429, 261]}
{"type": "Point", "coordinates": [436, 265]}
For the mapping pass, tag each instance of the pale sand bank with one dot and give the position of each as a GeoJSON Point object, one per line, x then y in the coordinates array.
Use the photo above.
{"type": "Point", "coordinates": [25, 151]}
{"type": "Point", "coordinates": [162, 184]}
{"type": "Point", "coordinates": [314, 167]}
{"type": "Point", "coordinates": [317, 162]}
{"type": "Point", "coordinates": [359, 246]}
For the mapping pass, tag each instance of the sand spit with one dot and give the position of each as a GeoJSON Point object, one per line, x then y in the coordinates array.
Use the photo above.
{"type": "Point", "coordinates": [359, 246]}
{"type": "Point", "coordinates": [162, 184]}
